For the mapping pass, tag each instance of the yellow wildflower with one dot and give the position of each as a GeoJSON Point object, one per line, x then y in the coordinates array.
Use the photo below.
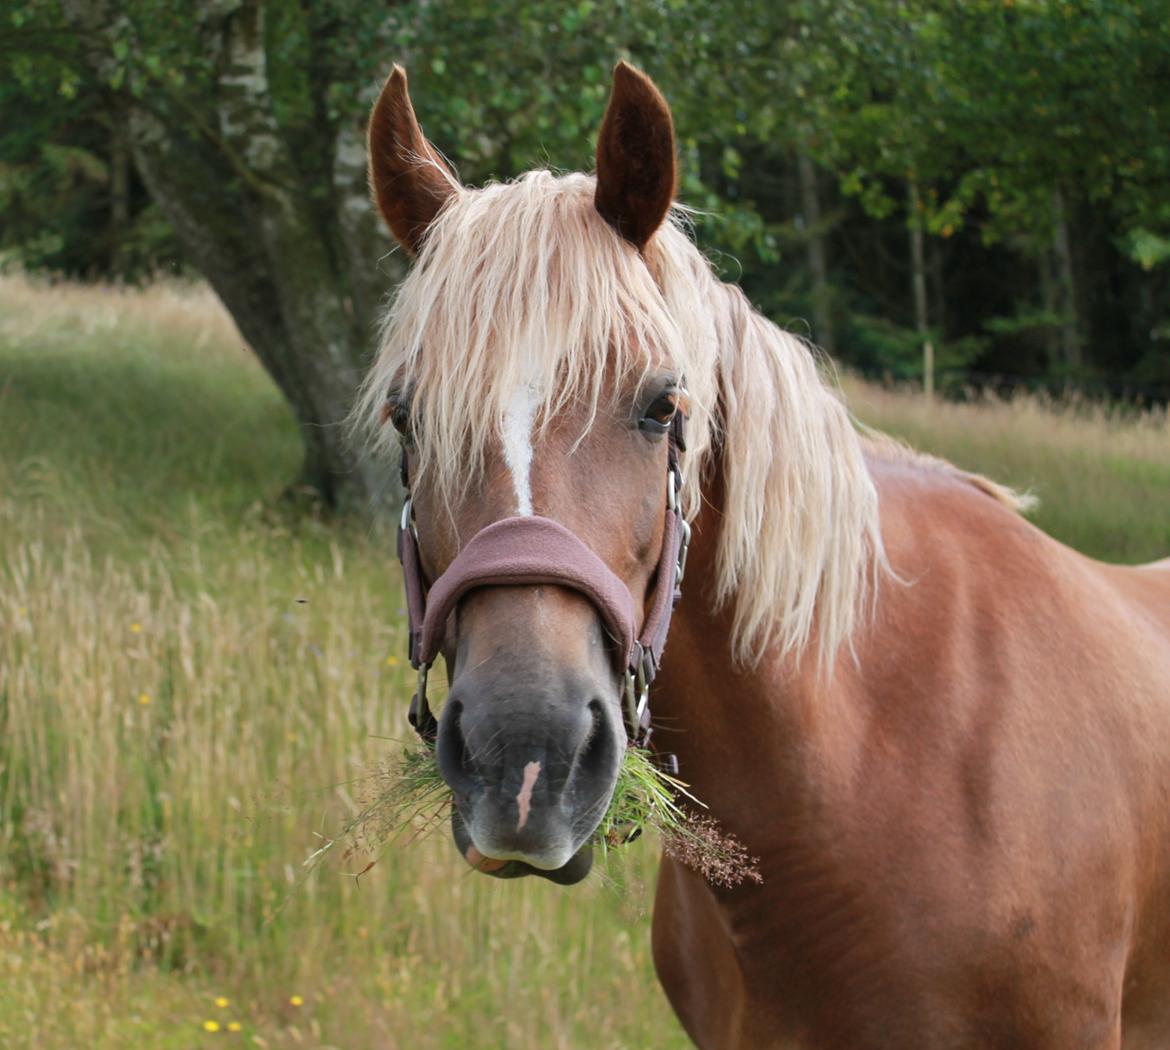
{"type": "Point", "coordinates": [136, 628]}
{"type": "Point", "coordinates": [144, 699]}
{"type": "Point", "coordinates": [296, 1000]}
{"type": "Point", "coordinates": [211, 1026]}
{"type": "Point", "coordinates": [391, 661]}
{"type": "Point", "coordinates": [221, 1001]}
{"type": "Point", "coordinates": [233, 1026]}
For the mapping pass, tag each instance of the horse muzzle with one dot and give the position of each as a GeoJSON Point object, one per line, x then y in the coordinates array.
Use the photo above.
{"type": "Point", "coordinates": [531, 763]}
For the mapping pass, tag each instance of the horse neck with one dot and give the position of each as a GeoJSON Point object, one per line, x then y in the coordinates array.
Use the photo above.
{"type": "Point", "coordinates": [732, 726]}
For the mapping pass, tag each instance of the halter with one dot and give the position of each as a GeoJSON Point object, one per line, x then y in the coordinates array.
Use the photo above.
{"type": "Point", "coordinates": [533, 550]}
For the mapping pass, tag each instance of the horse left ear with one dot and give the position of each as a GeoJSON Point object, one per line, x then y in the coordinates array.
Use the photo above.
{"type": "Point", "coordinates": [635, 157]}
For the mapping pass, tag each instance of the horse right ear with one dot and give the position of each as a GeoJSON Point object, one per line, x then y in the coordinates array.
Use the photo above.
{"type": "Point", "coordinates": [409, 180]}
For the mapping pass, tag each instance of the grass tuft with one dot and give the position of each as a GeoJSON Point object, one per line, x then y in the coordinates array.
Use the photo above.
{"type": "Point", "coordinates": [412, 800]}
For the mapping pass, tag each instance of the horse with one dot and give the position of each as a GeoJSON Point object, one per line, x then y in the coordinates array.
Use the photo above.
{"type": "Point", "coordinates": [944, 735]}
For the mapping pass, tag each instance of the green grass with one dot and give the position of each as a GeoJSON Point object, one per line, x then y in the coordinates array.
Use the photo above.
{"type": "Point", "coordinates": [196, 680]}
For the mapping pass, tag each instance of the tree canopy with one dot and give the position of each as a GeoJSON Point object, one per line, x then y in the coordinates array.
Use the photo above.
{"type": "Point", "coordinates": [991, 176]}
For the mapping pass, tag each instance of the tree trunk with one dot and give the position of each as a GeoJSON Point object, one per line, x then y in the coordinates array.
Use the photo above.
{"type": "Point", "coordinates": [918, 275]}
{"type": "Point", "coordinates": [1070, 339]}
{"type": "Point", "coordinates": [299, 275]}
{"type": "Point", "coordinates": [119, 190]}
{"type": "Point", "coordinates": [1049, 302]}
{"type": "Point", "coordinates": [937, 285]}
{"type": "Point", "coordinates": [818, 267]}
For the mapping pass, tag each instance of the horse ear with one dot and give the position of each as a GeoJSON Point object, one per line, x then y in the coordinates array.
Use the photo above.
{"type": "Point", "coordinates": [409, 180]}
{"type": "Point", "coordinates": [635, 157]}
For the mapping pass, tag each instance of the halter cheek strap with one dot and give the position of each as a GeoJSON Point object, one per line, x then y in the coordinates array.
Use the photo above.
{"type": "Point", "coordinates": [535, 550]}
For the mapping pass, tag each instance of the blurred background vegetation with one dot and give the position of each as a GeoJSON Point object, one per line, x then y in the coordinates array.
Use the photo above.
{"type": "Point", "coordinates": [990, 177]}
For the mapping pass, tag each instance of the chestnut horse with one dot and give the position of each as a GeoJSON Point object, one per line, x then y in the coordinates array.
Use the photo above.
{"type": "Point", "coordinates": [945, 735]}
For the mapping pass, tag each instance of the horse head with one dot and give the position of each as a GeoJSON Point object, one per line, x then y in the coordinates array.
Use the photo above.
{"type": "Point", "coordinates": [528, 369]}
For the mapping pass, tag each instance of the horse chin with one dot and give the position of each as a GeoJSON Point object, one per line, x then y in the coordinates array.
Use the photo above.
{"type": "Point", "coordinates": [568, 874]}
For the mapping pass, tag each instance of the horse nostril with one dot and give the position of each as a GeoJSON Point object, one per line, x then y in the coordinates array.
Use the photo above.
{"type": "Point", "coordinates": [596, 759]}
{"type": "Point", "coordinates": [451, 750]}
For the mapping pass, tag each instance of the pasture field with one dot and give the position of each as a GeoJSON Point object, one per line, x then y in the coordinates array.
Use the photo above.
{"type": "Point", "coordinates": [197, 678]}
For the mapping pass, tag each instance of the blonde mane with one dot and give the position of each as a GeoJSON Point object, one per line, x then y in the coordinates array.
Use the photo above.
{"type": "Point", "coordinates": [523, 284]}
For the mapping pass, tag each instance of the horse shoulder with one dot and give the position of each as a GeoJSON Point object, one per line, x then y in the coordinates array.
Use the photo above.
{"type": "Point", "coordinates": [1013, 742]}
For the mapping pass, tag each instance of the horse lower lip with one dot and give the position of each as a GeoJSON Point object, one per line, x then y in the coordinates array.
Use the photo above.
{"type": "Point", "coordinates": [487, 865]}
{"type": "Point", "coordinates": [578, 866]}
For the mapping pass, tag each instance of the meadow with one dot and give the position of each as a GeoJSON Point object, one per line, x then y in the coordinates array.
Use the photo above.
{"type": "Point", "coordinates": [199, 678]}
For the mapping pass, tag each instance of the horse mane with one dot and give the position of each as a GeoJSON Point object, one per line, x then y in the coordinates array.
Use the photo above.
{"type": "Point", "coordinates": [523, 284]}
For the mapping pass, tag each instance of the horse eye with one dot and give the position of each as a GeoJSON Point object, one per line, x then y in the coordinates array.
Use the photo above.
{"type": "Point", "coordinates": [397, 412]}
{"type": "Point", "coordinates": [660, 414]}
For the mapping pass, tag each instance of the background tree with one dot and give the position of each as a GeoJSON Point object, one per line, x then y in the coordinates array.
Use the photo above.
{"type": "Point", "coordinates": [244, 122]}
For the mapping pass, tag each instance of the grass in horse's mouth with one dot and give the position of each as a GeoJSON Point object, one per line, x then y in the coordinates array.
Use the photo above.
{"type": "Point", "coordinates": [407, 800]}
{"type": "Point", "coordinates": [648, 797]}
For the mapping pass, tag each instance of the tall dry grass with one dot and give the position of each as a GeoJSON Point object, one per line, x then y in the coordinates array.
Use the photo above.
{"type": "Point", "coordinates": [1101, 473]}
{"type": "Point", "coordinates": [194, 684]}
{"type": "Point", "coordinates": [194, 681]}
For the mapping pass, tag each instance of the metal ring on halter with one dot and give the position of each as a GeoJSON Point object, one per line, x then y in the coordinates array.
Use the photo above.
{"type": "Point", "coordinates": [683, 547]}
{"type": "Point", "coordinates": [629, 702]}
{"type": "Point", "coordinates": [636, 694]}
{"type": "Point", "coordinates": [671, 494]}
{"type": "Point", "coordinates": [642, 682]}
{"type": "Point", "coordinates": [406, 522]}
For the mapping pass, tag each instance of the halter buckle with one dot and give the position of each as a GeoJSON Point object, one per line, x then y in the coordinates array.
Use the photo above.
{"type": "Point", "coordinates": [636, 694]}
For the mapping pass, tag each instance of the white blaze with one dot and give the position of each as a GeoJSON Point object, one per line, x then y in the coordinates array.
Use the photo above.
{"type": "Point", "coordinates": [524, 796]}
{"type": "Point", "coordinates": [518, 420]}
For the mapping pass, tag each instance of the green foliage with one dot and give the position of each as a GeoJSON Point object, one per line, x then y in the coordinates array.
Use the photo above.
{"type": "Point", "coordinates": [896, 352]}
{"type": "Point", "coordinates": [55, 141]}
{"type": "Point", "coordinates": [994, 108]}
{"type": "Point", "coordinates": [1147, 248]}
